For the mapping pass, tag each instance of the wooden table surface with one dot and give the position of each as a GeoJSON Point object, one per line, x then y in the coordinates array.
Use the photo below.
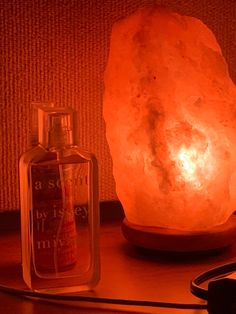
{"type": "Point", "coordinates": [127, 272]}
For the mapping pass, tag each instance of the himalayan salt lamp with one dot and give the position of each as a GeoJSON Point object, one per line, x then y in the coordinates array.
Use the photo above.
{"type": "Point", "coordinates": [170, 113]}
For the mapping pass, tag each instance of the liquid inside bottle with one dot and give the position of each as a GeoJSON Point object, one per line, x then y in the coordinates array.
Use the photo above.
{"type": "Point", "coordinates": [59, 211]}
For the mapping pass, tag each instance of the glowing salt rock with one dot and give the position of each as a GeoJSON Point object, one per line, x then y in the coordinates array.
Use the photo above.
{"type": "Point", "coordinates": [170, 113]}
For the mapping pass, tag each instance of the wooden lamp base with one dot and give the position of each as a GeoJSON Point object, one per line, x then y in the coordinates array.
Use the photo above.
{"type": "Point", "coordinates": [171, 240]}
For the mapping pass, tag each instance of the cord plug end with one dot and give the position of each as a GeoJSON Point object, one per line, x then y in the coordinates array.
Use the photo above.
{"type": "Point", "coordinates": [222, 295]}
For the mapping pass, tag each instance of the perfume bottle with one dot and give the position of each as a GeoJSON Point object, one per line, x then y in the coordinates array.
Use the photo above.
{"type": "Point", "coordinates": [59, 209]}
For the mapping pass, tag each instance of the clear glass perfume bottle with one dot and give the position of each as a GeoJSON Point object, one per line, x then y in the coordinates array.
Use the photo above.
{"type": "Point", "coordinates": [59, 209]}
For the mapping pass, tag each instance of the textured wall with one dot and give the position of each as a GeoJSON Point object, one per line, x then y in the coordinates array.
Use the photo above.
{"type": "Point", "coordinates": [56, 50]}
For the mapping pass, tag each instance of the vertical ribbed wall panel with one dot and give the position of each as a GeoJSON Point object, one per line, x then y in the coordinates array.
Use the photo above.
{"type": "Point", "coordinates": [56, 50]}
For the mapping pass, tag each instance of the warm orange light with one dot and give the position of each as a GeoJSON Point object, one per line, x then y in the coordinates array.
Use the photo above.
{"type": "Point", "coordinates": [189, 162]}
{"type": "Point", "coordinates": [169, 107]}
{"type": "Point", "coordinates": [195, 162]}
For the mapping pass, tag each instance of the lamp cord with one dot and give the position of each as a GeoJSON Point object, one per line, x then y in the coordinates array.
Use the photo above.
{"type": "Point", "coordinates": [195, 287]}
{"type": "Point", "coordinates": [213, 273]}
{"type": "Point", "coordinates": [104, 300]}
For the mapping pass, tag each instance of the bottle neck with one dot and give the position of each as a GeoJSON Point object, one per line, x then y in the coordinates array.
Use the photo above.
{"type": "Point", "coordinates": [59, 139]}
{"type": "Point", "coordinates": [56, 129]}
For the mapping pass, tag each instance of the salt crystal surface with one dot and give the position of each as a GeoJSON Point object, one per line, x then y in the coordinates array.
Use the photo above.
{"type": "Point", "coordinates": [170, 113]}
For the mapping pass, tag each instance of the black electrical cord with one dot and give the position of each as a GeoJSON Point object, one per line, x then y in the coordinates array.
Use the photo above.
{"type": "Point", "coordinates": [213, 273]}
{"type": "Point", "coordinates": [195, 287]}
{"type": "Point", "coordinates": [82, 298]}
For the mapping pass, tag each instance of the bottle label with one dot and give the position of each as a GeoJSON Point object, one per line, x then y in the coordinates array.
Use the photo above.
{"type": "Point", "coordinates": [53, 219]}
